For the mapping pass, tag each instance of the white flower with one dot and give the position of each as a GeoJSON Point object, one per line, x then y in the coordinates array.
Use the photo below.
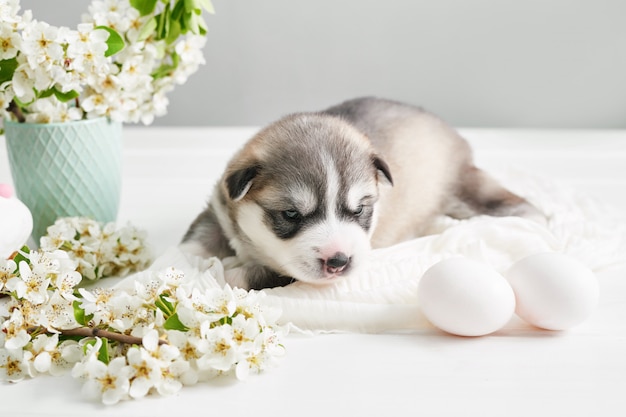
{"type": "Point", "coordinates": [58, 313]}
{"type": "Point", "coordinates": [42, 346]}
{"type": "Point", "coordinates": [190, 52]}
{"type": "Point", "coordinates": [172, 277]}
{"type": "Point", "coordinates": [100, 250]}
{"type": "Point", "coordinates": [135, 74]}
{"type": "Point", "coordinates": [7, 271]}
{"type": "Point", "coordinates": [150, 366]}
{"type": "Point", "coordinates": [70, 351]}
{"type": "Point", "coordinates": [31, 285]}
{"type": "Point", "coordinates": [223, 331]}
{"type": "Point", "coordinates": [107, 382]}
{"type": "Point", "coordinates": [65, 283]}
{"type": "Point", "coordinates": [13, 364]}
{"type": "Point", "coordinates": [218, 348]}
{"type": "Point", "coordinates": [5, 101]}
{"type": "Point", "coordinates": [57, 235]}
{"type": "Point", "coordinates": [4, 313]}
{"type": "Point", "coordinates": [149, 289]}
{"type": "Point", "coordinates": [9, 10]}
{"type": "Point", "coordinates": [185, 367]}
{"type": "Point", "coordinates": [129, 86]}
{"type": "Point", "coordinates": [86, 48]}
{"type": "Point", "coordinates": [30, 312]}
{"type": "Point", "coordinates": [41, 44]}
{"type": "Point", "coordinates": [128, 311]}
{"type": "Point", "coordinates": [146, 371]}
{"type": "Point", "coordinates": [95, 105]}
{"type": "Point", "coordinates": [50, 110]}
{"type": "Point", "coordinates": [15, 330]}
{"type": "Point", "coordinates": [9, 41]}
{"type": "Point", "coordinates": [245, 331]}
{"type": "Point", "coordinates": [95, 302]}
{"type": "Point", "coordinates": [52, 263]}
{"type": "Point", "coordinates": [90, 348]}
{"type": "Point", "coordinates": [48, 356]}
{"type": "Point", "coordinates": [251, 304]}
{"type": "Point", "coordinates": [115, 14]}
{"type": "Point", "coordinates": [24, 83]}
{"type": "Point", "coordinates": [172, 377]}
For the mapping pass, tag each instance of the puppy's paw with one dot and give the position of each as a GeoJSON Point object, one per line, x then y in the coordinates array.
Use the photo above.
{"type": "Point", "coordinates": [237, 277]}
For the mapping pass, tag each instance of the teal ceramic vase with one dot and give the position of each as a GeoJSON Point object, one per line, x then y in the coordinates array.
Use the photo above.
{"type": "Point", "coordinates": [66, 169]}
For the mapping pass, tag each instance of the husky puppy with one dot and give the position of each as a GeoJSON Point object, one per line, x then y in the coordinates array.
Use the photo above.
{"type": "Point", "coordinates": [309, 195]}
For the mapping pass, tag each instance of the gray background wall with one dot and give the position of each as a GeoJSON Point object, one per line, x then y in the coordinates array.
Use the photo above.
{"type": "Point", "coordinates": [483, 63]}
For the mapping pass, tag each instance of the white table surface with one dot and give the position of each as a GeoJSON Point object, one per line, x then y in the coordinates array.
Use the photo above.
{"type": "Point", "coordinates": [518, 371]}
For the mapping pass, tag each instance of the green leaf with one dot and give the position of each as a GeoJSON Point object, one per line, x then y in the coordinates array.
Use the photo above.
{"type": "Point", "coordinates": [183, 23]}
{"type": "Point", "coordinates": [164, 305]}
{"type": "Point", "coordinates": [79, 314]}
{"type": "Point", "coordinates": [174, 33]}
{"type": "Point", "coordinates": [103, 353]}
{"type": "Point", "coordinates": [115, 42]}
{"type": "Point", "coordinates": [191, 5]}
{"type": "Point", "coordinates": [163, 71]}
{"type": "Point", "coordinates": [174, 323]}
{"type": "Point", "coordinates": [7, 69]}
{"type": "Point", "coordinates": [22, 104]}
{"type": "Point", "coordinates": [160, 50]}
{"type": "Point", "coordinates": [63, 337]}
{"type": "Point", "coordinates": [208, 6]}
{"type": "Point", "coordinates": [145, 7]}
{"type": "Point", "coordinates": [202, 27]}
{"type": "Point", "coordinates": [46, 93]}
{"type": "Point", "coordinates": [147, 29]}
{"type": "Point", "coordinates": [225, 320]}
{"type": "Point", "coordinates": [160, 26]}
{"type": "Point", "coordinates": [163, 23]}
{"type": "Point", "coordinates": [65, 97]}
{"type": "Point", "coordinates": [175, 59]}
{"type": "Point", "coordinates": [88, 343]}
{"type": "Point", "coordinates": [21, 255]}
{"type": "Point", "coordinates": [190, 22]}
{"type": "Point", "coordinates": [166, 69]}
{"type": "Point", "coordinates": [177, 11]}
{"type": "Point", "coordinates": [196, 6]}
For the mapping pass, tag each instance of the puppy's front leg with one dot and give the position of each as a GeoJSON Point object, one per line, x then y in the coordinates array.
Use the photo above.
{"type": "Point", "coordinates": [255, 277]}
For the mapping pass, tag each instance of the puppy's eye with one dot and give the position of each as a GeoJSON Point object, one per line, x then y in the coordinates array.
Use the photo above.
{"type": "Point", "coordinates": [358, 211]}
{"type": "Point", "coordinates": [291, 215]}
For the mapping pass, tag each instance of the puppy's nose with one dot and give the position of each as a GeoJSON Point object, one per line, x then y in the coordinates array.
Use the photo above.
{"type": "Point", "coordinates": [338, 260]}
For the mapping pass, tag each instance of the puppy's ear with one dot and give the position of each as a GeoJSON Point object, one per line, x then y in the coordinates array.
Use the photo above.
{"type": "Point", "coordinates": [238, 182]}
{"type": "Point", "coordinates": [382, 166]}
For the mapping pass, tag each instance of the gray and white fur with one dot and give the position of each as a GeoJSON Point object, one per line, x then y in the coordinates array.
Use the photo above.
{"type": "Point", "coordinates": [308, 196]}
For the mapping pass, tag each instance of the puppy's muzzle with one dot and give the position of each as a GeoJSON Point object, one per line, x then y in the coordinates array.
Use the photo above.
{"type": "Point", "coordinates": [336, 264]}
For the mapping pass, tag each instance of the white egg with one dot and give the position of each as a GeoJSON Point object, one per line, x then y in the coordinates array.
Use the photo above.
{"type": "Point", "coordinates": [465, 297]}
{"type": "Point", "coordinates": [16, 224]}
{"type": "Point", "coordinates": [553, 291]}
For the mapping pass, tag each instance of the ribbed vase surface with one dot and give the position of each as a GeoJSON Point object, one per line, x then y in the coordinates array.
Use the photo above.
{"type": "Point", "coordinates": [66, 169]}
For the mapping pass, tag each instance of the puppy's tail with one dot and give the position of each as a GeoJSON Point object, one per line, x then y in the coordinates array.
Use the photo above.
{"type": "Point", "coordinates": [478, 193]}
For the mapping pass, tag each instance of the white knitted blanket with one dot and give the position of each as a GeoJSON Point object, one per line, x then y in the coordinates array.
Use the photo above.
{"type": "Point", "coordinates": [383, 297]}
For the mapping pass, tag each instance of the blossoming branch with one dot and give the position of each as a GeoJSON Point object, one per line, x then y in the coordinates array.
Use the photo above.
{"type": "Point", "coordinates": [120, 62]}
{"type": "Point", "coordinates": [100, 250]}
{"type": "Point", "coordinates": [127, 343]}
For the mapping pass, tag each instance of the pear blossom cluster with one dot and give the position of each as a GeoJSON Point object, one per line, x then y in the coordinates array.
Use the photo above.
{"type": "Point", "coordinates": [112, 65]}
{"type": "Point", "coordinates": [154, 338]}
{"type": "Point", "coordinates": [100, 250]}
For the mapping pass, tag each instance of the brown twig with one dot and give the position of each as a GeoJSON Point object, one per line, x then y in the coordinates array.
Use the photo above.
{"type": "Point", "coordinates": [15, 109]}
{"type": "Point", "coordinates": [95, 332]}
